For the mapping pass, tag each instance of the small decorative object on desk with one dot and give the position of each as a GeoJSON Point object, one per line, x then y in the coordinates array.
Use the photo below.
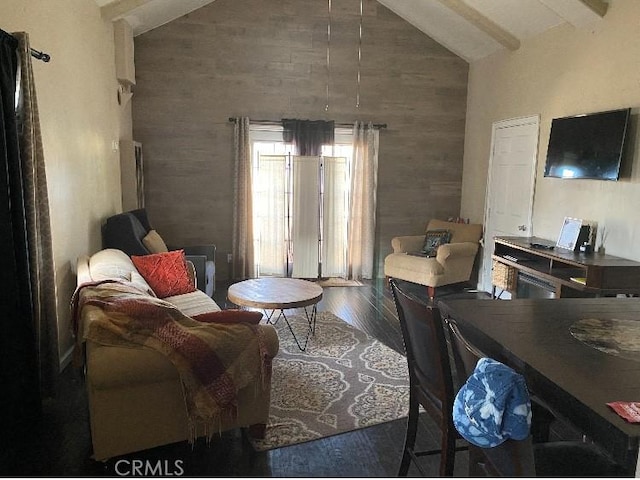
{"type": "Point", "coordinates": [593, 232]}
{"type": "Point", "coordinates": [630, 411]}
{"type": "Point", "coordinates": [586, 248]}
{"type": "Point", "coordinates": [602, 236]}
{"type": "Point", "coordinates": [458, 220]}
{"type": "Point", "coordinates": [569, 233]}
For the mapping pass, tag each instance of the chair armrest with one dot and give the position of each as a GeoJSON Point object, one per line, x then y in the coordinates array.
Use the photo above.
{"type": "Point", "coordinates": [82, 270]}
{"type": "Point", "coordinates": [199, 264]}
{"type": "Point", "coordinates": [449, 251]}
{"type": "Point", "coordinates": [208, 251]}
{"type": "Point", "coordinates": [407, 243]}
{"type": "Point", "coordinates": [191, 271]}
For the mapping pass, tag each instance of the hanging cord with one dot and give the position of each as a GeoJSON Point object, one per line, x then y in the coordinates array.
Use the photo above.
{"type": "Point", "coordinates": [326, 107]}
{"type": "Point", "coordinates": [359, 59]}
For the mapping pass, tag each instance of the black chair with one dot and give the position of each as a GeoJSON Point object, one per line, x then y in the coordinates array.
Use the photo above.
{"type": "Point", "coordinates": [126, 231]}
{"type": "Point", "coordinates": [431, 383]}
{"type": "Point", "coordinates": [523, 458]}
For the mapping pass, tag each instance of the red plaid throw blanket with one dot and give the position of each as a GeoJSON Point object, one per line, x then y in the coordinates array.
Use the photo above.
{"type": "Point", "coordinates": [214, 361]}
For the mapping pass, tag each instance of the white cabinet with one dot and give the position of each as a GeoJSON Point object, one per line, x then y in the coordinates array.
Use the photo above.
{"type": "Point", "coordinates": [123, 42]}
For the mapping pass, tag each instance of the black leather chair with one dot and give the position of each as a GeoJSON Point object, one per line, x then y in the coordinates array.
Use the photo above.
{"type": "Point", "coordinates": [431, 383]}
{"type": "Point", "coordinates": [523, 458]}
{"type": "Point", "coordinates": [126, 231]}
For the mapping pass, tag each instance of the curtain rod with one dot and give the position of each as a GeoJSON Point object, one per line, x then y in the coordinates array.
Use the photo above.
{"type": "Point", "coordinates": [279, 122]}
{"type": "Point", "coordinates": [37, 54]}
{"type": "Point", "coordinates": [45, 57]}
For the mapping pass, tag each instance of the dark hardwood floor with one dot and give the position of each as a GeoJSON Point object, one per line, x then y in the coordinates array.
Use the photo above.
{"type": "Point", "coordinates": [60, 444]}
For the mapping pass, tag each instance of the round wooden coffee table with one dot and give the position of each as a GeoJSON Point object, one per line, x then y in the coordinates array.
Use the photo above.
{"type": "Point", "coordinates": [277, 295]}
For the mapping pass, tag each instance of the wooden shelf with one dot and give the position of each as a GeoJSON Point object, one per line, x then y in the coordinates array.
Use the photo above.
{"type": "Point", "coordinates": [604, 274]}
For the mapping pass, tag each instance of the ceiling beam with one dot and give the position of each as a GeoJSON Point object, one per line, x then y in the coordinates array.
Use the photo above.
{"type": "Point", "coordinates": [119, 8]}
{"type": "Point", "coordinates": [598, 6]}
{"type": "Point", "coordinates": [578, 13]}
{"type": "Point", "coordinates": [484, 24]}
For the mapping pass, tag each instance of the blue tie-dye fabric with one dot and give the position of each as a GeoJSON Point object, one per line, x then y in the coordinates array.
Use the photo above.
{"type": "Point", "coordinates": [493, 405]}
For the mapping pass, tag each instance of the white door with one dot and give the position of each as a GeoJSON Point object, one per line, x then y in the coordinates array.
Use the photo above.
{"type": "Point", "coordinates": [512, 171]}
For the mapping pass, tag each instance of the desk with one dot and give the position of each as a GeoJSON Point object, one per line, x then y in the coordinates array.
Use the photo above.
{"type": "Point", "coordinates": [577, 380]}
{"type": "Point", "coordinates": [554, 269]}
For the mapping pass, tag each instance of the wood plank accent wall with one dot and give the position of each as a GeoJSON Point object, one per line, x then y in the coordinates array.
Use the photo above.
{"type": "Point", "coordinates": [266, 59]}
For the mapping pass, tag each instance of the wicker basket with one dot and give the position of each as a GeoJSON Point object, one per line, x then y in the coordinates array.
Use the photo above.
{"type": "Point", "coordinates": [504, 276]}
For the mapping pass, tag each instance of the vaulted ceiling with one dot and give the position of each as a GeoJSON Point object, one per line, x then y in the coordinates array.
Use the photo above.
{"type": "Point", "coordinates": [472, 29]}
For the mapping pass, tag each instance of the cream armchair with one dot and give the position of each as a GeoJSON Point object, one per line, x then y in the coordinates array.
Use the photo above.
{"type": "Point", "coordinates": [453, 262]}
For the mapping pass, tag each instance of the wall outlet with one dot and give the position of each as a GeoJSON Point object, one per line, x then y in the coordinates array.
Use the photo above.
{"type": "Point", "coordinates": [229, 258]}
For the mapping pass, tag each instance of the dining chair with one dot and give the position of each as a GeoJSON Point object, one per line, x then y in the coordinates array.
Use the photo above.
{"type": "Point", "coordinates": [431, 383]}
{"type": "Point", "coordinates": [523, 458]}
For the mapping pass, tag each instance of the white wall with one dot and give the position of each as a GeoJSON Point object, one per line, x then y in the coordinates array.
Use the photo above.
{"type": "Point", "coordinates": [80, 119]}
{"type": "Point", "coordinates": [563, 72]}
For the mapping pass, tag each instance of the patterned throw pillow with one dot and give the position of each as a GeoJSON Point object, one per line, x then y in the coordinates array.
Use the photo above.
{"type": "Point", "coordinates": [166, 273]}
{"type": "Point", "coordinates": [433, 239]}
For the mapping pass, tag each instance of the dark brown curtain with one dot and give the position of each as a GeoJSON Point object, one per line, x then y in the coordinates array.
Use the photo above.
{"type": "Point", "coordinates": [29, 361]}
{"type": "Point", "coordinates": [38, 226]}
{"type": "Point", "coordinates": [308, 136]}
{"type": "Point", "coordinates": [18, 358]}
{"type": "Point", "coordinates": [242, 244]}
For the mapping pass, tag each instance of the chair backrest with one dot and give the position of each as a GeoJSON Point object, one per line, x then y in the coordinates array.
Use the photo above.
{"type": "Point", "coordinates": [141, 215]}
{"type": "Point", "coordinates": [465, 355]}
{"type": "Point", "coordinates": [460, 232]}
{"type": "Point", "coordinates": [512, 458]}
{"type": "Point", "coordinates": [125, 232]}
{"type": "Point", "coordinates": [427, 353]}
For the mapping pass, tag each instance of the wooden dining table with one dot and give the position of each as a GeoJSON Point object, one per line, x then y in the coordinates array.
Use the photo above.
{"type": "Point", "coordinates": [576, 379]}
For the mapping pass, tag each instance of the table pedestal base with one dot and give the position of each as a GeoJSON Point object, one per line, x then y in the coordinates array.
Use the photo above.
{"type": "Point", "coordinates": [311, 320]}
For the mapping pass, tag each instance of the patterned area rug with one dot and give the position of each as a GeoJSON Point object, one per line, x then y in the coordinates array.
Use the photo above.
{"type": "Point", "coordinates": [344, 381]}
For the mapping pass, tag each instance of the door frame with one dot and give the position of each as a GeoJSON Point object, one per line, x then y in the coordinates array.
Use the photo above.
{"type": "Point", "coordinates": [485, 271]}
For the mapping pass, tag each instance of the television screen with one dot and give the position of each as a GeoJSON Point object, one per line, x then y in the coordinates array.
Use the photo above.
{"type": "Point", "coordinates": [587, 146]}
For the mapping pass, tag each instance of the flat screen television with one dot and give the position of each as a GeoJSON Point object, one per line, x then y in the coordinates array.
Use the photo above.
{"type": "Point", "coordinates": [587, 146]}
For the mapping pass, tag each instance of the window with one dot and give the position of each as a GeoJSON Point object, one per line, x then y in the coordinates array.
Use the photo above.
{"type": "Point", "coordinates": [300, 206]}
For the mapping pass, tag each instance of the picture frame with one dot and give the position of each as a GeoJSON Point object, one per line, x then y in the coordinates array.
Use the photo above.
{"type": "Point", "coordinates": [569, 233]}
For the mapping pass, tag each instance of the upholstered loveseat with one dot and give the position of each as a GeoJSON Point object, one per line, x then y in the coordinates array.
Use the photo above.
{"type": "Point", "coordinates": [452, 264]}
{"type": "Point", "coordinates": [136, 397]}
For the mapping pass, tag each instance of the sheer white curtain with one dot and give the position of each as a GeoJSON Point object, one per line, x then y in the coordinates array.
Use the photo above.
{"type": "Point", "coordinates": [305, 218]}
{"type": "Point", "coordinates": [242, 243]}
{"type": "Point", "coordinates": [334, 216]}
{"type": "Point", "coordinates": [270, 215]}
{"type": "Point", "coordinates": [362, 201]}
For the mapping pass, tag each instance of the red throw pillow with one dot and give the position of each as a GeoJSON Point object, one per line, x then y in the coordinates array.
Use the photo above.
{"type": "Point", "coordinates": [230, 316]}
{"type": "Point", "coordinates": [166, 273]}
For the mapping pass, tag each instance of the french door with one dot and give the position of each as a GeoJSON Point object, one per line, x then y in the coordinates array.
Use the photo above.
{"type": "Point", "coordinates": [300, 215]}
